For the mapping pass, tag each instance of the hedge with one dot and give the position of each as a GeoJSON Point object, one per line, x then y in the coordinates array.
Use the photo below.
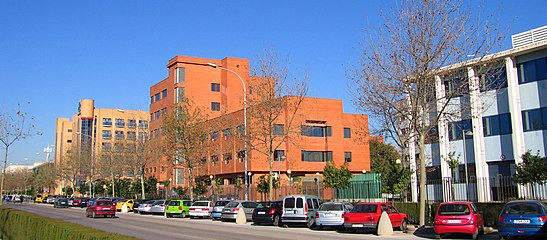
{"type": "Point", "coordinates": [17, 224]}
{"type": "Point", "coordinates": [490, 212]}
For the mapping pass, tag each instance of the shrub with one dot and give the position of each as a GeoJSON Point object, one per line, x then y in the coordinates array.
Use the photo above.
{"type": "Point", "coordinates": [16, 224]}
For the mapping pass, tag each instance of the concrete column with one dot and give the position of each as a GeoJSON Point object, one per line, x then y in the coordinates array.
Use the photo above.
{"type": "Point", "coordinates": [481, 167]}
{"type": "Point", "coordinates": [411, 149]}
{"type": "Point", "coordinates": [444, 147]}
{"type": "Point", "coordinates": [513, 92]}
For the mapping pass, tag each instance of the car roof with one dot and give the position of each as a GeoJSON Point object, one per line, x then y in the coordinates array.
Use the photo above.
{"type": "Point", "coordinates": [456, 202]}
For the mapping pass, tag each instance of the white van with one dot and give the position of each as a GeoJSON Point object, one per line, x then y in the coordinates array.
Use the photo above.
{"type": "Point", "coordinates": [299, 209]}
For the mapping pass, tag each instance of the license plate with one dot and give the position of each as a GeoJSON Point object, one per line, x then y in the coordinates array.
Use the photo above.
{"type": "Point", "coordinates": [454, 221]}
{"type": "Point", "coordinates": [357, 225]}
{"type": "Point", "coordinates": [198, 210]}
{"type": "Point", "coordinates": [521, 221]}
{"type": "Point", "coordinates": [261, 212]}
{"type": "Point", "coordinates": [329, 215]}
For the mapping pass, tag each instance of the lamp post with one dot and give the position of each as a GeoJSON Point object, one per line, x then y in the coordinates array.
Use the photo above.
{"type": "Point", "coordinates": [91, 188]}
{"type": "Point", "coordinates": [212, 188]}
{"type": "Point", "coordinates": [244, 124]}
{"type": "Point", "coordinates": [289, 179]}
{"type": "Point", "coordinates": [317, 182]}
{"type": "Point", "coordinates": [466, 133]}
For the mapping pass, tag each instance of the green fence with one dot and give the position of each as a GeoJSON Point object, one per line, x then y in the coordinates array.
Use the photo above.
{"type": "Point", "coordinates": [362, 187]}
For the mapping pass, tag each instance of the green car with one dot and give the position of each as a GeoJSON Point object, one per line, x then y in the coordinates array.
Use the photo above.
{"type": "Point", "coordinates": [177, 208]}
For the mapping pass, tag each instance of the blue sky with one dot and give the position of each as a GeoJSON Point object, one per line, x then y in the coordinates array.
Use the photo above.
{"type": "Point", "coordinates": [54, 53]}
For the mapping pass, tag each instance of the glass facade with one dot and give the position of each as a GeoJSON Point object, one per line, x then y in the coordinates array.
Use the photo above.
{"type": "Point", "coordinates": [316, 156]}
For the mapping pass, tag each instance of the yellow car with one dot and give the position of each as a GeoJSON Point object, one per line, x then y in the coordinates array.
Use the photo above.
{"type": "Point", "coordinates": [40, 198]}
{"type": "Point", "coordinates": [128, 203]}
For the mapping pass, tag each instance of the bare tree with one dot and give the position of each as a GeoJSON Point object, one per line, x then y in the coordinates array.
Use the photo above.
{"type": "Point", "coordinates": [275, 99]}
{"type": "Point", "coordinates": [402, 64]}
{"type": "Point", "coordinates": [69, 167]}
{"type": "Point", "coordinates": [184, 133]}
{"type": "Point", "coordinates": [13, 128]}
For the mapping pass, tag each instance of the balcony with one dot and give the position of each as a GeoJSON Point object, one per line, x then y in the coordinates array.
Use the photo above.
{"type": "Point", "coordinates": [107, 124]}
{"type": "Point", "coordinates": [131, 125]}
{"type": "Point", "coordinates": [107, 136]}
{"type": "Point", "coordinates": [120, 124]}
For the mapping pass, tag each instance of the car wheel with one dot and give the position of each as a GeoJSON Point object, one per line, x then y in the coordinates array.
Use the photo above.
{"type": "Point", "coordinates": [404, 226]}
{"type": "Point", "coordinates": [183, 214]}
{"type": "Point", "coordinates": [352, 230]}
{"type": "Point", "coordinates": [481, 231]}
{"type": "Point", "coordinates": [311, 223]}
{"type": "Point", "coordinates": [438, 236]}
{"type": "Point", "coordinates": [277, 221]}
{"type": "Point", "coordinates": [475, 235]}
{"type": "Point", "coordinates": [191, 217]}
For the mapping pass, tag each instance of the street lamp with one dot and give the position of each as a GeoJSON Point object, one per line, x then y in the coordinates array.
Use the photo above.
{"type": "Point", "coordinates": [91, 189]}
{"type": "Point", "coordinates": [244, 123]}
{"type": "Point", "coordinates": [466, 133]}
{"type": "Point", "coordinates": [212, 188]}
{"type": "Point", "coordinates": [289, 179]}
{"type": "Point", "coordinates": [317, 182]}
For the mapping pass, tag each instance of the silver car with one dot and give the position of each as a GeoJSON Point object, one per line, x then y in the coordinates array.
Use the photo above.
{"type": "Point", "coordinates": [145, 207]}
{"type": "Point", "coordinates": [202, 209]}
{"type": "Point", "coordinates": [158, 207]}
{"type": "Point", "coordinates": [330, 214]}
{"type": "Point", "coordinates": [229, 212]}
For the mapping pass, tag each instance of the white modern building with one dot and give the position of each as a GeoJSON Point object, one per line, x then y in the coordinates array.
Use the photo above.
{"type": "Point", "coordinates": [509, 118]}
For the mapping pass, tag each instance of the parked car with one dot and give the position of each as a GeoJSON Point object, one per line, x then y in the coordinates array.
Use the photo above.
{"type": "Point", "coordinates": [70, 201]}
{"type": "Point", "coordinates": [217, 209]}
{"type": "Point", "coordinates": [178, 208]}
{"type": "Point", "coordinates": [268, 213]}
{"type": "Point", "coordinates": [523, 219]}
{"type": "Point", "coordinates": [331, 214]}
{"type": "Point", "coordinates": [60, 203]}
{"type": "Point", "coordinates": [299, 209]}
{"type": "Point", "coordinates": [102, 207]}
{"type": "Point", "coordinates": [128, 203]}
{"type": "Point", "coordinates": [229, 212]}
{"type": "Point", "coordinates": [159, 207]}
{"type": "Point", "coordinates": [458, 217]}
{"type": "Point", "coordinates": [137, 203]}
{"type": "Point", "coordinates": [202, 209]}
{"type": "Point", "coordinates": [84, 202]}
{"type": "Point", "coordinates": [51, 199]}
{"type": "Point", "coordinates": [145, 207]}
{"type": "Point", "coordinates": [366, 216]}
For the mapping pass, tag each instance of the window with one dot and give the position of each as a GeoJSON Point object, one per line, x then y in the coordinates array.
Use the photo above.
{"type": "Point", "coordinates": [180, 75]}
{"type": "Point", "coordinates": [120, 135]}
{"type": "Point", "coordinates": [106, 146]}
{"type": "Point", "coordinates": [179, 95]}
{"type": "Point", "coordinates": [279, 155]}
{"type": "Point", "coordinates": [278, 129]}
{"type": "Point", "coordinates": [157, 97]}
{"type": "Point", "coordinates": [164, 93]}
{"type": "Point", "coordinates": [179, 176]}
{"type": "Point", "coordinates": [532, 71]}
{"type": "Point", "coordinates": [493, 79]}
{"type": "Point", "coordinates": [151, 116]}
{"type": "Point", "coordinates": [347, 156]}
{"type": "Point", "coordinates": [179, 159]}
{"type": "Point", "coordinates": [151, 99]}
{"type": "Point", "coordinates": [532, 120]}
{"type": "Point", "coordinates": [316, 156]}
{"type": "Point", "coordinates": [107, 122]}
{"type": "Point", "coordinates": [69, 130]}
{"type": "Point", "coordinates": [157, 115]}
{"type": "Point", "coordinates": [347, 132]}
{"type": "Point", "coordinates": [131, 135]}
{"type": "Point", "coordinates": [456, 84]}
{"type": "Point", "coordinates": [227, 132]}
{"type": "Point", "coordinates": [215, 87]}
{"type": "Point", "coordinates": [107, 134]}
{"type": "Point", "coordinates": [131, 123]}
{"type": "Point", "coordinates": [214, 158]}
{"type": "Point", "coordinates": [241, 154]}
{"type": "Point", "coordinates": [316, 131]}
{"type": "Point", "coordinates": [214, 136]}
{"type": "Point", "coordinates": [455, 129]}
{"type": "Point", "coordinates": [68, 141]}
{"type": "Point", "coordinates": [215, 106]}
{"type": "Point", "coordinates": [164, 111]}
{"type": "Point", "coordinates": [120, 122]}
{"type": "Point", "coordinates": [241, 129]}
{"type": "Point", "coordinates": [497, 125]}
{"type": "Point", "coordinates": [227, 156]}
{"type": "Point", "coordinates": [143, 124]}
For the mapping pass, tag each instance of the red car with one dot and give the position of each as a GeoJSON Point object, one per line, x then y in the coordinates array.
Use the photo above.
{"type": "Point", "coordinates": [459, 218]}
{"type": "Point", "coordinates": [366, 216]}
{"type": "Point", "coordinates": [102, 207]}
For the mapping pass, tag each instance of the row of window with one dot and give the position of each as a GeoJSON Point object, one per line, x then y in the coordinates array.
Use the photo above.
{"type": "Point", "coordinates": [279, 155]}
{"type": "Point", "coordinates": [534, 119]}
{"type": "Point", "coordinates": [158, 96]}
{"type": "Point", "coordinates": [457, 84]}
{"type": "Point", "coordinates": [120, 122]}
{"type": "Point", "coordinates": [492, 126]}
{"type": "Point", "coordinates": [279, 130]}
{"type": "Point", "coordinates": [106, 146]}
{"type": "Point", "coordinates": [131, 135]}
{"type": "Point", "coordinates": [158, 114]}
{"type": "Point", "coordinates": [531, 71]}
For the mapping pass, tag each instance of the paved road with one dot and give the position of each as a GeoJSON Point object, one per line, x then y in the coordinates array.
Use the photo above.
{"type": "Point", "coordinates": [158, 227]}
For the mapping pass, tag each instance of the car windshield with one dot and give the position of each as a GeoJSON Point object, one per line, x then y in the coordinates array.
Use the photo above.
{"type": "Point", "coordinates": [174, 203]}
{"type": "Point", "coordinates": [289, 202]}
{"type": "Point", "coordinates": [104, 203]}
{"type": "Point", "coordinates": [201, 204]}
{"type": "Point", "coordinates": [150, 202]}
{"type": "Point", "coordinates": [365, 208]}
{"type": "Point", "coordinates": [331, 207]}
{"type": "Point", "coordinates": [221, 203]}
{"type": "Point", "coordinates": [522, 208]}
{"type": "Point", "coordinates": [454, 209]}
{"type": "Point", "coordinates": [232, 205]}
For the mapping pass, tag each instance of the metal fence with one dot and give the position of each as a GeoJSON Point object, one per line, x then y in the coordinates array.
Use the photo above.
{"type": "Point", "coordinates": [498, 188]}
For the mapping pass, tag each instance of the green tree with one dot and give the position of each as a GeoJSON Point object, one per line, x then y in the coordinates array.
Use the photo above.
{"type": "Point", "coordinates": [200, 186]}
{"type": "Point", "coordinates": [336, 178]}
{"type": "Point", "coordinates": [532, 169]}
{"type": "Point", "coordinates": [453, 162]}
{"type": "Point", "coordinates": [181, 191]}
{"type": "Point", "coordinates": [384, 160]}
{"type": "Point", "coordinates": [263, 185]}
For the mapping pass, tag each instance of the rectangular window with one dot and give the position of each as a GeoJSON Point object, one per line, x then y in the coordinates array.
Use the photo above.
{"type": "Point", "coordinates": [181, 75]}
{"type": "Point", "coordinates": [497, 125]}
{"type": "Point", "coordinates": [455, 129]}
{"type": "Point", "coordinates": [143, 124]}
{"type": "Point", "coordinates": [215, 106]}
{"type": "Point", "coordinates": [120, 122]}
{"type": "Point", "coordinates": [214, 158]}
{"type": "Point", "coordinates": [316, 156]}
{"type": "Point", "coordinates": [532, 120]}
{"type": "Point", "coordinates": [106, 146]}
{"type": "Point", "coordinates": [157, 97]}
{"type": "Point", "coordinates": [316, 131]}
{"type": "Point", "coordinates": [347, 156]}
{"type": "Point", "coordinates": [164, 111]}
{"type": "Point", "coordinates": [535, 70]}
{"type": "Point", "coordinates": [151, 116]}
{"type": "Point", "coordinates": [157, 115]}
{"type": "Point", "coordinates": [493, 79]}
{"type": "Point", "coordinates": [278, 129]}
{"type": "Point", "coordinates": [279, 155]}
{"type": "Point", "coordinates": [179, 158]}
{"type": "Point", "coordinates": [347, 132]}
{"type": "Point", "coordinates": [179, 176]}
{"type": "Point", "coordinates": [164, 93]}
{"type": "Point", "coordinates": [241, 129]}
{"type": "Point", "coordinates": [107, 122]}
{"type": "Point", "coordinates": [131, 135]}
{"type": "Point", "coordinates": [69, 130]}
{"type": "Point", "coordinates": [241, 154]}
{"type": "Point", "coordinates": [227, 132]}
{"type": "Point", "coordinates": [214, 136]}
{"type": "Point", "coordinates": [107, 134]}
{"type": "Point", "coordinates": [215, 87]}
{"type": "Point", "coordinates": [457, 84]}
{"type": "Point", "coordinates": [179, 95]}
{"type": "Point", "coordinates": [120, 135]}
{"type": "Point", "coordinates": [131, 123]}
{"type": "Point", "coordinates": [151, 99]}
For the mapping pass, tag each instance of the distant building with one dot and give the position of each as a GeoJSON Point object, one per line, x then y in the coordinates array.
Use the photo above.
{"type": "Point", "coordinates": [17, 167]}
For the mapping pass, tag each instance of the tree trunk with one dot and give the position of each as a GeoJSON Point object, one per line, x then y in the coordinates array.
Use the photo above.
{"type": "Point", "coordinates": [190, 184]}
{"type": "Point", "coordinates": [270, 182]}
{"type": "Point", "coordinates": [3, 174]}
{"type": "Point", "coordinates": [142, 186]}
{"type": "Point", "coordinates": [422, 179]}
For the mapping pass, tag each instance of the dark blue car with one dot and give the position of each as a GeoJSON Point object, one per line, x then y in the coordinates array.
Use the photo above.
{"type": "Point", "coordinates": [523, 219]}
